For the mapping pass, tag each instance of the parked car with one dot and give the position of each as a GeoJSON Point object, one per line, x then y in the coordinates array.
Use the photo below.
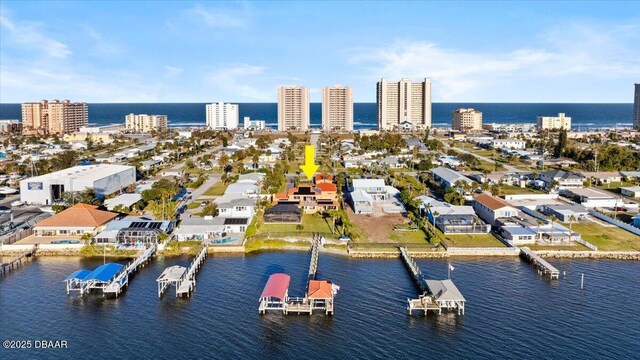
{"type": "Point", "coordinates": [17, 203]}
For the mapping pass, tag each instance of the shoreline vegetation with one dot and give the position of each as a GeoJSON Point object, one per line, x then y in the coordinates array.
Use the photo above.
{"type": "Point", "coordinates": [255, 246]}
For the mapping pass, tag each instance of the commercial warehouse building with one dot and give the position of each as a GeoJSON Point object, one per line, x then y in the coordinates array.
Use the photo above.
{"type": "Point", "coordinates": [104, 178]}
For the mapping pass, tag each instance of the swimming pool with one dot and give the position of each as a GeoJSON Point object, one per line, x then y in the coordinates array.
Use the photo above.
{"type": "Point", "coordinates": [65, 242]}
{"type": "Point", "coordinates": [224, 240]}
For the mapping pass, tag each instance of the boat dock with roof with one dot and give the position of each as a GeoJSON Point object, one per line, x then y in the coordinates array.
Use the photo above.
{"type": "Point", "coordinates": [544, 268]}
{"type": "Point", "coordinates": [434, 295]}
{"type": "Point", "coordinates": [182, 278]}
{"type": "Point", "coordinates": [111, 278]}
{"type": "Point", "coordinates": [320, 293]}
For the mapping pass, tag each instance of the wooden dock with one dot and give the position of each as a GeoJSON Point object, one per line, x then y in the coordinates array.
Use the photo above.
{"type": "Point", "coordinates": [543, 267]}
{"type": "Point", "coordinates": [413, 268]}
{"type": "Point", "coordinates": [433, 295]}
{"type": "Point", "coordinates": [313, 263]}
{"type": "Point", "coordinates": [18, 261]}
{"type": "Point", "coordinates": [121, 280]}
{"type": "Point", "coordinates": [188, 281]}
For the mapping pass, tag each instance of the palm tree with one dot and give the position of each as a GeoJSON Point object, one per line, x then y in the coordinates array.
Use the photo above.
{"type": "Point", "coordinates": [540, 222]}
{"type": "Point", "coordinates": [572, 218]}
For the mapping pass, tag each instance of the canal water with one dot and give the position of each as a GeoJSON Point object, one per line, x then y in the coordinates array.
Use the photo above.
{"type": "Point", "coordinates": [511, 312]}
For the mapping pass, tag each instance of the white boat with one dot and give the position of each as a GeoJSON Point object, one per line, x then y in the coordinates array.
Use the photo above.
{"type": "Point", "coordinates": [5, 190]}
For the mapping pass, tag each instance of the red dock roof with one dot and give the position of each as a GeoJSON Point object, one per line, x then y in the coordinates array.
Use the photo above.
{"type": "Point", "coordinates": [276, 287]}
{"type": "Point", "coordinates": [320, 289]}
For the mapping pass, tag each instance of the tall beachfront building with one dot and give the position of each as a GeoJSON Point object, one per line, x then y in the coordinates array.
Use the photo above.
{"type": "Point", "coordinates": [54, 117]}
{"type": "Point", "coordinates": [293, 108]}
{"type": "Point", "coordinates": [143, 123]}
{"type": "Point", "coordinates": [554, 122]}
{"type": "Point", "coordinates": [466, 120]}
{"type": "Point", "coordinates": [404, 105]}
{"type": "Point", "coordinates": [222, 116]}
{"type": "Point", "coordinates": [636, 109]}
{"type": "Point", "coordinates": [337, 109]}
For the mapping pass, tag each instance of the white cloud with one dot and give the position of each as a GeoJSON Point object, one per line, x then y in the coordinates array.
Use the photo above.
{"type": "Point", "coordinates": [31, 35]}
{"type": "Point", "coordinates": [172, 71]}
{"type": "Point", "coordinates": [232, 82]}
{"type": "Point", "coordinates": [574, 50]}
{"type": "Point", "coordinates": [219, 18]}
{"type": "Point", "coordinates": [102, 46]}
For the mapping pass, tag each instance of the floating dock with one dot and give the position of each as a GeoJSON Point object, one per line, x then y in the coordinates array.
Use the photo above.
{"type": "Point", "coordinates": [320, 293]}
{"type": "Point", "coordinates": [434, 295]}
{"type": "Point", "coordinates": [17, 261]}
{"type": "Point", "coordinates": [110, 278]}
{"type": "Point", "coordinates": [544, 268]}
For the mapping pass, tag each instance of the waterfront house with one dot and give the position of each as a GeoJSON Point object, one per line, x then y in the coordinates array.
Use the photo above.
{"type": "Point", "coordinates": [311, 198]}
{"type": "Point", "coordinates": [209, 227]}
{"type": "Point", "coordinates": [490, 208]}
{"type": "Point", "coordinates": [134, 231]}
{"type": "Point", "coordinates": [283, 213]}
{"type": "Point", "coordinates": [461, 224]}
{"type": "Point", "coordinates": [75, 222]}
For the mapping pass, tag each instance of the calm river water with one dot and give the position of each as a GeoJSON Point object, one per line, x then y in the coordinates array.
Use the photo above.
{"type": "Point", "coordinates": [511, 312]}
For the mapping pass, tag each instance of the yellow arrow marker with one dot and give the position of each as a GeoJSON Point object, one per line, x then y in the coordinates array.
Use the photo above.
{"type": "Point", "coordinates": [309, 168]}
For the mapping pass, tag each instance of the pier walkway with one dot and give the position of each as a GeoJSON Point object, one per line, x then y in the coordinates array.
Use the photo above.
{"type": "Point", "coordinates": [18, 260]}
{"type": "Point", "coordinates": [122, 278]}
{"type": "Point", "coordinates": [434, 295]}
{"type": "Point", "coordinates": [188, 281]}
{"type": "Point", "coordinates": [544, 268]}
{"type": "Point", "coordinates": [313, 263]}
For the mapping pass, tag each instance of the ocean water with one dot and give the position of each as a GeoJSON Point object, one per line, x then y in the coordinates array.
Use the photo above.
{"type": "Point", "coordinates": [584, 116]}
{"type": "Point", "coordinates": [512, 313]}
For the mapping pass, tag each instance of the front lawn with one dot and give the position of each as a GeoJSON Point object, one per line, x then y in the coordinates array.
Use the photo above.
{"type": "Point", "coordinates": [216, 190]}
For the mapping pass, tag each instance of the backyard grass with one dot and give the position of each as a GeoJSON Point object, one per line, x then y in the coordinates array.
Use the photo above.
{"type": "Point", "coordinates": [467, 240]}
{"type": "Point", "coordinates": [310, 224]}
{"type": "Point", "coordinates": [217, 189]}
{"type": "Point", "coordinates": [415, 237]}
{"type": "Point", "coordinates": [615, 186]}
{"type": "Point", "coordinates": [607, 238]}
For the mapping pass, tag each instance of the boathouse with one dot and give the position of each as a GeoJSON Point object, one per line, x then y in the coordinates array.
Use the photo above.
{"type": "Point", "coordinates": [275, 293]}
{"type": "Point", "coordinates": [84, 280]}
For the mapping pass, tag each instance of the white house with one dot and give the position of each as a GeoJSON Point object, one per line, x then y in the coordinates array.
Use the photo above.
{"type": "Point", "coordinates": [490, 208]}
{"type": "Point", "coordinates": [592, 198]}
{"type": "Point", "coordinates": [513, 144]}
{"type": "Point", "coordinates": [239, 207]}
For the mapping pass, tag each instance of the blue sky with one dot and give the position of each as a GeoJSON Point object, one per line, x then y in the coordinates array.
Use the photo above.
{"type": "Point", "coordinates": [242, 51]}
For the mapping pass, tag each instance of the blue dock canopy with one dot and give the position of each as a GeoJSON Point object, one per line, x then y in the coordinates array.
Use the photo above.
{"type": "Point", "coordinates": [104, 273]}
{"type": "Point", "coordinates": [78, 275]}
